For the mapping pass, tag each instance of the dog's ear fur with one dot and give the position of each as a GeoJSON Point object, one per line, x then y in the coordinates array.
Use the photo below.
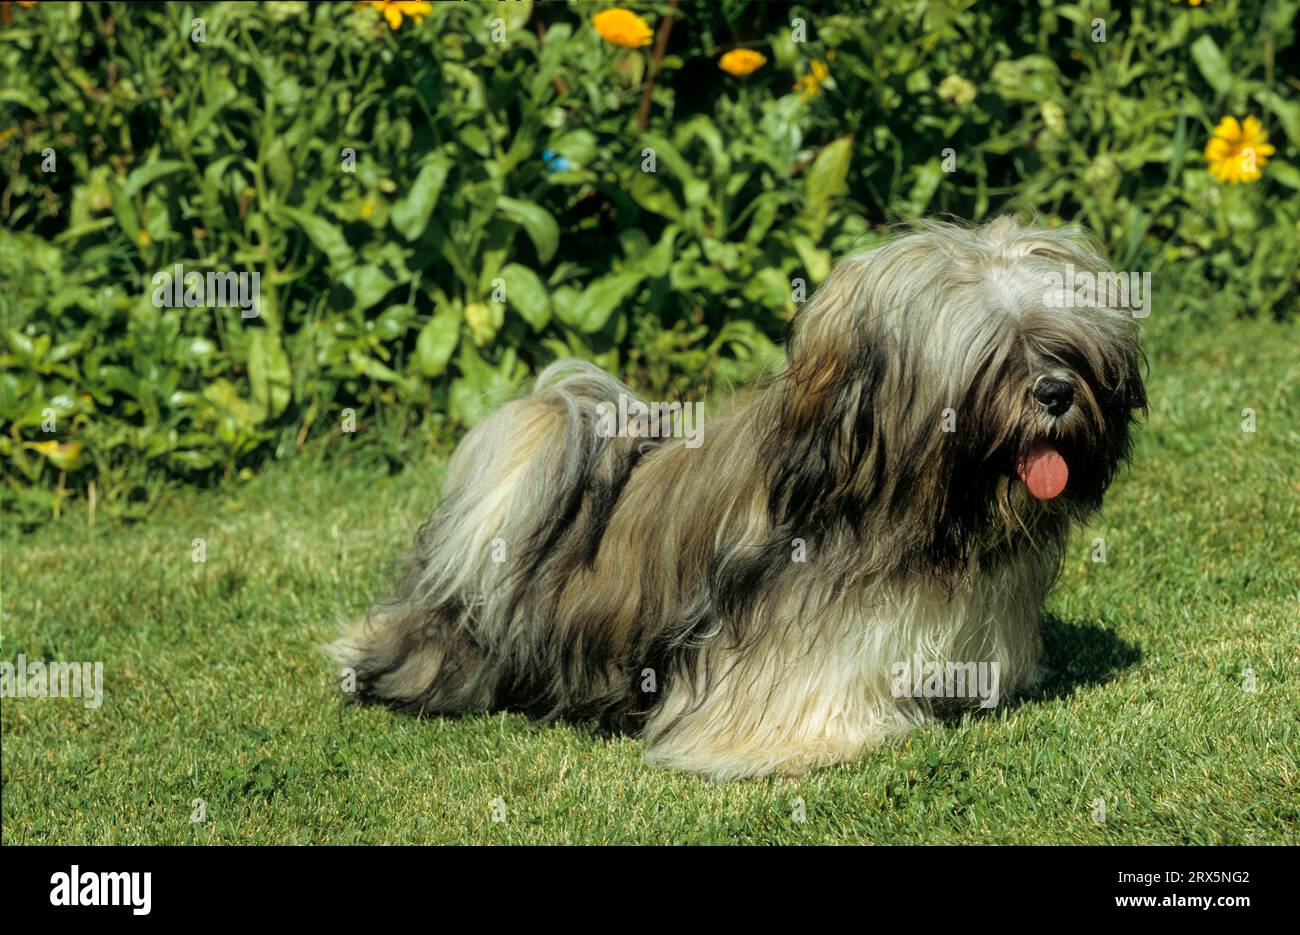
{"type": "Point", "coordinates": [843, 427]}
{"type": "Point", "coordinates": [821, 423]}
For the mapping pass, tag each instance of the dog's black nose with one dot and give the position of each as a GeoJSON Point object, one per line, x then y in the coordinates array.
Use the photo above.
{"type": "Point", "coordinates": [1055, 395]}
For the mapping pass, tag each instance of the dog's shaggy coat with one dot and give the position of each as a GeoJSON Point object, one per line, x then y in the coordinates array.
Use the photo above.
{"type": "Point", "coordinates": [741, 604]}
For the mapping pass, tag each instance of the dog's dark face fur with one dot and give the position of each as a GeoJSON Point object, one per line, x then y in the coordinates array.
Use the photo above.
{"type": "Point", "coordinates": [906, 481]}
{"type": "Point", "coordinates": [920, 377]}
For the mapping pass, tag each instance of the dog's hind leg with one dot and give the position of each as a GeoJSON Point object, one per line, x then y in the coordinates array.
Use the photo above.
{"type": "Point", "coordinates": [523, 491]}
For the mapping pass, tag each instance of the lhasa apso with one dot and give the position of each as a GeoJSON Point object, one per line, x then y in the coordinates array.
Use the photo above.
{"type": "Point", "coordinates": [896, 499]}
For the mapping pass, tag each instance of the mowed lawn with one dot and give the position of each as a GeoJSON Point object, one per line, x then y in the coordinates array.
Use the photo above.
{"type": "Point", "coordinates": [218, 705]}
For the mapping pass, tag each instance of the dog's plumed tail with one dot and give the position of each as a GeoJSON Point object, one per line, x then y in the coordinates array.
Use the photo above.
{"type": "Point", "coordinates": [539, 472]}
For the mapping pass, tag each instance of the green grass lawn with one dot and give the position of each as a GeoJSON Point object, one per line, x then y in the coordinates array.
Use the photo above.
{"type": "Point", "coordinates": [214, 690]}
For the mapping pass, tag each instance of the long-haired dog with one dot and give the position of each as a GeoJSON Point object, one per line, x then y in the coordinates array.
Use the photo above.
{"type": "Point", "coordinates": [902, 490]}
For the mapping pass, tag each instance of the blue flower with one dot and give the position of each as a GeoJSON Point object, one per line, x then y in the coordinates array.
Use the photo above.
{"type": "Point", "coordinates": [555, 162]}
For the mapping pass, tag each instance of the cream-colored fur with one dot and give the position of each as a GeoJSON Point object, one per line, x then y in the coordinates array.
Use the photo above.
{"type": "Point", "coordinates": [819, 692]}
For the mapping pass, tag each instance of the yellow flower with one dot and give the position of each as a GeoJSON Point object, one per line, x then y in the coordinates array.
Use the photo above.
{"type": "Point", "coordinates": [740, 62]}
{"type": "Point", "coordinates": [622, 27]}
{"type": "Point", "coordinates": [1237, 151]}
{"type": "Point", "coordinates": [394, 10]}
{"type": "Point", "coordinates": [143, 237]}
{"type": "Point", "coordinates": [810, 85]}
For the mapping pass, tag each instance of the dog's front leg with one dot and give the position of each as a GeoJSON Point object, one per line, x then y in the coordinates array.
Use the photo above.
{"type": "Point", "coordinates": [751, 711]}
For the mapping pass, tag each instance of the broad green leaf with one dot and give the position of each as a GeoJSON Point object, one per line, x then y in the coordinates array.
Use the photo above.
{"type": "Point", "coordinates": [702, 128]}
{"type": "Point", "coordinates": [659, 259]}
{"type": "Point", "coordinates": [374, 368]}
{"type": "Point", "coordinates": [124, 210]}
{"type": "Point", "coordinates": [473, 138]}
{"type": "Point", "coordinates": [368, 284]}
{"type": "Point", "coordinates": [515, 14]}
{"type": "Point", "coordinates": [1287, 113]}
{"type": "Point", "coordinates": [764, 210]}
{"type": "Point", "coordinates": [527, 295]}
{"type": "Point", "coordinates": [1285, 173]}
{"type": "Point", "coordinates": [1214, 67]}
{"type": "Point", "coordinates": [578, 146]}
{"type": "Point", "coordinates": [816, 262]}
{"type": "Point", "coordinates": [522, 146]}
{"type": "Point", "coordinates": [213, 174]}
{"type": "Point", "coordinates": [928, 177]}
{"type": "Point", "coordinates": [279, 166]}
{"type": "Point", "coordinates": [826, 176]}
{"type": "Point", "coordinates": [150, 172]}
{"type": "Point", "coordinates": [23, 96]}
{"type": "Point", "coordinates": [598, 301]}
{"type": "Point", "coordinates": [410, 215]}
{"type": "Point", "coordinates": [438, 340]}
{"type": "Point", "coordinates": [652, 195]}
{"type": "Point", "coordinates": [393, 322]}
{"type": "Point", "coordinates": [537, 222]}
{"type": "Point", "coordinates": [268, 371]}
{"type": "Point", "coordinates": [669, 159]}
{"type": "Point", "coordinates": [326, 237]}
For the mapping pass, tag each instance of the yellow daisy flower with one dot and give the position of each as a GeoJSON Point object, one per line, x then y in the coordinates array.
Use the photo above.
{"type": "Point", "coordinates": [622, 27]}
{"type": "Point", "coordinates": [1237, 151]}
{"type": "Point", "coordinates": [394, 10]}
{"type": "Point", "coordinates": [810, 85]}
{"type": "Point", "coordinates": [741, 62]}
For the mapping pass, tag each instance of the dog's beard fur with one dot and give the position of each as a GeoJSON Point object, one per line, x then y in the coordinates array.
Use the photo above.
{"type": "Point", "coordinates": [659, 588]}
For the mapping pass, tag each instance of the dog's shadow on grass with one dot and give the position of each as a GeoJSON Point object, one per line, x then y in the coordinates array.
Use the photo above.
{"type": "Point", "coordinates": [1077, 655]}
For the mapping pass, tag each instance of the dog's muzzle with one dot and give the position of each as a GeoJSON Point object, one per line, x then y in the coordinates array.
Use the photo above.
{"type": "Point", "coordinates": [1056, 396]}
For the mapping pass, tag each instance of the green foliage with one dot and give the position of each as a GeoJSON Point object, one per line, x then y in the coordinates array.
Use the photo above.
{"type": "Point", "coordinates": [435, 214]}
{"type": "Point", "coordinates": [1092, 112]}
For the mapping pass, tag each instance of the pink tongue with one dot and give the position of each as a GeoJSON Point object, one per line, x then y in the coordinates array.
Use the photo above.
{"type": "Point", "coordinates": [1044, 471]}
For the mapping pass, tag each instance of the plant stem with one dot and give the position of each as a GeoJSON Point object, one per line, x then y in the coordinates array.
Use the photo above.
{"type": "Point", "coordinates": [661, 46]}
